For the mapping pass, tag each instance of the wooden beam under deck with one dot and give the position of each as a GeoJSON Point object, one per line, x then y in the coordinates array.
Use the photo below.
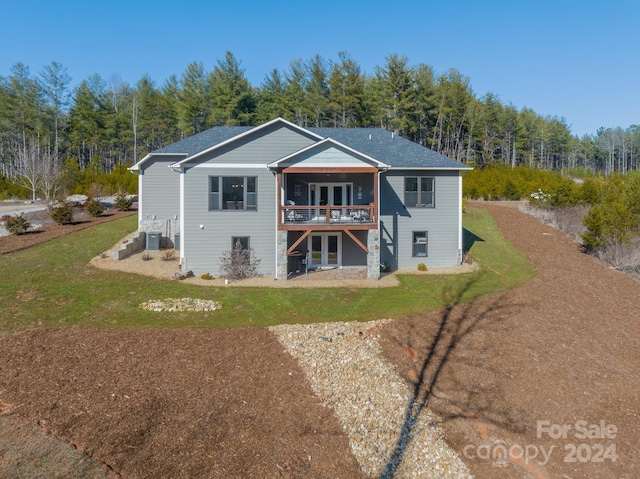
{"type": "Point", "coordinates": [357, 241]}
{"type": "Point", "coordinates": [300, 240]}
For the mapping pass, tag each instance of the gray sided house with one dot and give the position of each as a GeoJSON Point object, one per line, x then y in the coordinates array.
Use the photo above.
{"type": "Point", "coordinates": [330, 197]}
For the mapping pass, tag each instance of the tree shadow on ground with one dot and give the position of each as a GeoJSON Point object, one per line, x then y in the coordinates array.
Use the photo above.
{"type": "Point", "coordinates": [455, 322]}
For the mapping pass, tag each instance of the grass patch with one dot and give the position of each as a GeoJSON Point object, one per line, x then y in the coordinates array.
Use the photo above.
{"type": "Point", "coordinates": [53, 285]}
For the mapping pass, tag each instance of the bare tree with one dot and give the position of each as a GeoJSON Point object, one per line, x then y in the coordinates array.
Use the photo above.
{"type": "Point", "coordinates": [37, 170]}
{"type": "Point", "coordinates": [27, 167]}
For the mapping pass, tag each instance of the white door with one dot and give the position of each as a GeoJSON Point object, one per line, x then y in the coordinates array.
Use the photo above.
{"type": "Point", "coordinates": [325, 249]}
{"type": "Point", "coordinates": [332, 194]}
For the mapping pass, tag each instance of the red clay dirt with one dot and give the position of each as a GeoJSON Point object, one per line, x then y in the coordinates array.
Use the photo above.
{"type": "Point", "coordinates": [562, 348]}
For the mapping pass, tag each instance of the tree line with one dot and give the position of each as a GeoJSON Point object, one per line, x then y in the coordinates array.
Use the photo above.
{"type": "Point", "coordinates": [55, 138]}
{"type": "Point", "coordinates": [602, 213]}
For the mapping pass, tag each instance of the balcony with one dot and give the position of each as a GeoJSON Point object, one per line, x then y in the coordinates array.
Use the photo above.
{"type": "Point", "coordinates": [328, 217]}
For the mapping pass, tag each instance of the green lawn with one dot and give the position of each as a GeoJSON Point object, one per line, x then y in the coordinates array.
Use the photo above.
{"type": "Point", "coordinates": [52, 285]}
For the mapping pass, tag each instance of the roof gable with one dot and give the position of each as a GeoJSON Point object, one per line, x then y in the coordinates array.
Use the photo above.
{"type": "Point", "coordinates": [278, 122]}
{"type": "Point", "coordinates": [327, 153]}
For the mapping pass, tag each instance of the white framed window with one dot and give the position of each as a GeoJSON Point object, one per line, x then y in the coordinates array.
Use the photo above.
{"type": "Point", "coordinates": [419, 192]}
{"type": "Point", "coordinates": [420, 244]}
{"type": "Point", "coordinates": [233, 193]}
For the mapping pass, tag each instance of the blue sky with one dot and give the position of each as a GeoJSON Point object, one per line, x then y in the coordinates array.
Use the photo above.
{"type": "Point", "coordinates": [574, 59]}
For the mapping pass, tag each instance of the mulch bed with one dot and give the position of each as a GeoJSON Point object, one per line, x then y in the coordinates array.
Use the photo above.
{"type": "Point", "coordinates": [227, 403]}
{"type": "Point", "coordinates": [564, 347]}
{"type": "Point", "coordinates": [50, 230]}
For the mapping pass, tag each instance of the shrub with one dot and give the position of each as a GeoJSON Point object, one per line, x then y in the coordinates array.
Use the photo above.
{"type": "Point", "coordinates": [122, 202]}
{"type": "Point", "coordinates": [565, 194]}
{"type": "Point", "coordinates": [94, 208]}
{"type": "Point", "coordinates": [146, 257]}
{"type": "Point", "coordinates": [422, 267]}
{"type": "Point", "coordinates": [239, 263]}
{"type": "Point", "coordinates": [17, 225]}
{"type": "Point", "coordinates": [593, 190]}
{"type": "Point", "coordinates": [206, 276]}
{"type": "Point", "coordinates": [168, 255]}
{"type": "Point", "coordinates": [63, 214]}
{"type": "Point", "coordinates": [511, 191]}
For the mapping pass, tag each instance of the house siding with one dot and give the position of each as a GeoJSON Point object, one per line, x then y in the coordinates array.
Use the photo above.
{"type": "Point", "coordinates": [207, 235]}
{"type": "Point", "coordinates": [159, 195]}
{"type": "Point", "coordinates": [203, 247]}
{"type": "Point", "coordinates": [249, 156]}
{"type": "Point", "coordinates": [326, 156]}
{"type": "Point", "coordinates": [352, 253]}
{"type": "Point", "coordinates": [441, 222]}
{"type": "Point", "coordinates": [260, 148]}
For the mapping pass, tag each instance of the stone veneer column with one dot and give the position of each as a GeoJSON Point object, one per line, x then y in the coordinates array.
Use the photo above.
{"type": "Point", "coordinates": [281, 256]}
{"type": "Point", "coordinates": [373, 257]}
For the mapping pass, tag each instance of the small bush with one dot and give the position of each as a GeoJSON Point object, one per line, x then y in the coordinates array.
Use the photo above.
{"type": "Point", "coordinates": [17, 225]}
{"type": "Point", "coordinates": [94, 208]}
{"type": "Point", "coordinates": [422, 267]}
{"type": "Point", "coordinates": [239, 263]}
{"type": "Point", "coordinates": [146, 257]}
{"type": "Point", "coordinates": [206, 276]}
{"type": "Point", "coordinates": [63, 214]}
{"type": "Point", "coordinates": [122, 203]}
{"type": "Point", "coordinates": [168, 255]}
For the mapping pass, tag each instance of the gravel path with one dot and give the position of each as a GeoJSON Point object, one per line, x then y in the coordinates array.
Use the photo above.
{"type": "Point", "coordinates": [345, 368]}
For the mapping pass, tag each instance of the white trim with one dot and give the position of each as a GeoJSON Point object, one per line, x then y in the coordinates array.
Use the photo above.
{"type": "Point", "coordinates": [324, 243]}
{"type": "Point", "coordinates": [347, 201]}
{"type": "Point", "coordinates": [335, 143]}
{"type": "Point", "coordinates": [139, 200]}
{"type": "Point", "coordinates": [247, 133]}
{"type": "Point", "coordinates": [431, 168]}
{"type": "Point", "coordinates": [460, 216]}
{"type": "Point", "coordinates": [136, 167]}
{"type": "Point", "coordinates": [183, 255]}
{"type": "Point", "coordinates": [378, 214]}
{"type": "Point", "coordinates": [235, 166]}
{"type": "Point", "coordinates": [277, 222]}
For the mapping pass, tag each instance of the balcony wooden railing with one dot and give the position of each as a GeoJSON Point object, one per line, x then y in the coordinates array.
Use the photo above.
{"type": "Point", "coordinates": [328, 215]}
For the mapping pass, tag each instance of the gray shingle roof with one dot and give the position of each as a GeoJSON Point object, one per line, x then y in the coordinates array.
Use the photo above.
{"type": "Point", "coordinates": [391, 149]}
{"type": "Point", "coordinates": [377, 143]}
{"type": "Point", "coordinates": [203, 140]}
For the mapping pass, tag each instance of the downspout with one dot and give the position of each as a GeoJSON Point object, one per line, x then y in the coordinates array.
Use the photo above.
{"type": "Point", "coordinates": [278, 218]}
{"type": "Point", "coordinates": [276, 232]}
{"type": "Point", "coordinates": [460, 252]}
{"type": "Point", "coordinates": [183, 256]}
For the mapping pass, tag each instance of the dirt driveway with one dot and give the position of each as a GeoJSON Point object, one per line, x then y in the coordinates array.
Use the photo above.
{"type": "Point", "coordinates": [549, 368]}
